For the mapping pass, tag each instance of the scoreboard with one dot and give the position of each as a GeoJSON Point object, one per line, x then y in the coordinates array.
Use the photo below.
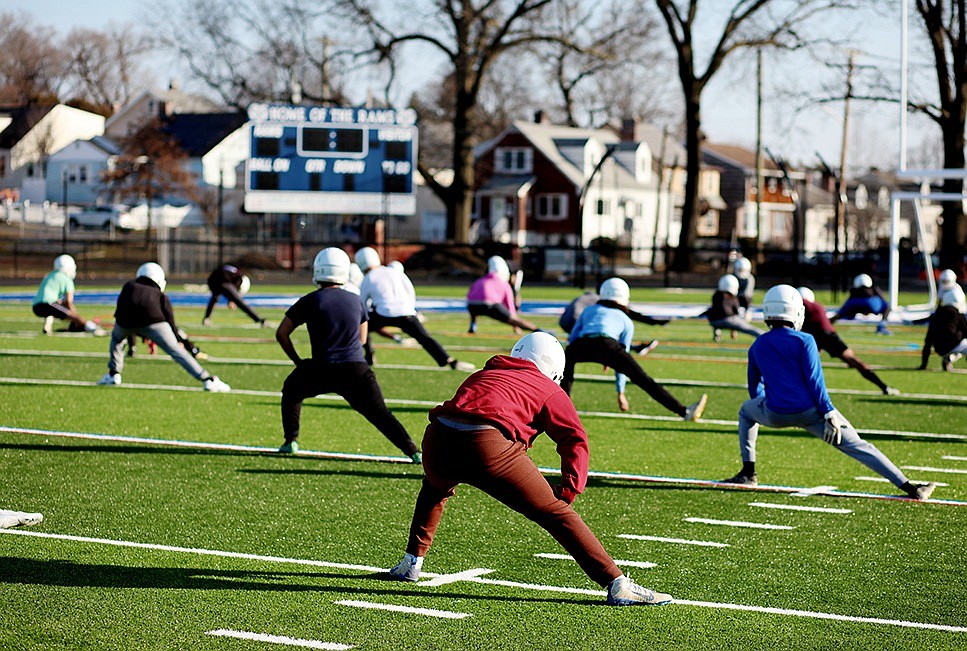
{"type": "Point", "coordinates": [326, 160]}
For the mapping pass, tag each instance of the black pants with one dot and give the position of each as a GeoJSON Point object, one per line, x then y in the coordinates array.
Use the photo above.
{"type": "Point", "coordinates": [355, 382]}
{"type": "Point", "coordinates": [229, 291]}
{"type": "Point", "coordinates": [411, 326]}
{"type": "Point", "coordinates": [610, 352]}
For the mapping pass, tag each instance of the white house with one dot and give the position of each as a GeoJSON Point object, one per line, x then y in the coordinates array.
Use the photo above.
{"type": "Point", "coordinates": [74, 172]}
{"type": "Point", "coordinates": [30, 134]}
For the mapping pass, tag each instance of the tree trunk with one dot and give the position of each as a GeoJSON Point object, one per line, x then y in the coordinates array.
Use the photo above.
{"type": "Point", "coordinates": [953, 235]}
{"type": "Point", "coordinates": [460, 206]}
{"type": "Point", "coordinates": [693, 145]}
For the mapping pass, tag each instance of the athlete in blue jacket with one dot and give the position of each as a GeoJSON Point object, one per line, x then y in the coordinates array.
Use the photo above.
{"type": "Point", "coordinates": [787, 389]}
{"type": "Point", "coordinates": [603, 335]}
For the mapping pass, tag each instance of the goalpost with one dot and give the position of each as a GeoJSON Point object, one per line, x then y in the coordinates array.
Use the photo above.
{"type": "Point", "coordinates": [911, 174]}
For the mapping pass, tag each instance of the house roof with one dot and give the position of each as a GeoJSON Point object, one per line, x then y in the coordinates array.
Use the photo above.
{"type": "Point", "coordinates": [507, 184]}
{"type": "Point", "coordinates": [563, 146]}
{"type": "Point", "coordinates": [23, 119]}
{"type": "Point", "coordinates": [106, 145]}
{"type": "Point", "coordinates": [199, 133]}
{"type": "Point", "coordinates": [175, 101]}
{"type": "Point", "coordinates": [736, 156]}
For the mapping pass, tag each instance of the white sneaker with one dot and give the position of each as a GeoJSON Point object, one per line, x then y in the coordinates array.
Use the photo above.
{"type": "Point", "coordinates": [891, 391]}
{"type": "Point", "coordinates": [407, 569]}
{"type": "Point", "coordinates": [695, 410]}
{"type": "Point", "coordinates": [206, 322]}
{"type": "Point", "coordinates": [110, 380]}
{"type": "Point", "coordinates": [48, 325]}
{"type": "Point", "coordinates": [625, 592]}
{"type": "Point", "coordinates": [215, 385]}
{"type": "Point", "coordinates": [464, 367]}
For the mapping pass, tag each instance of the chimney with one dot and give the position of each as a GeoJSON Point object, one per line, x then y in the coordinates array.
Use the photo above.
{"type": "Point", "coordinates": [540, 117]}
{"type": "Point", "coordinates": [629, 130]}
{"type": "Point", "coordinates": [173, 84]}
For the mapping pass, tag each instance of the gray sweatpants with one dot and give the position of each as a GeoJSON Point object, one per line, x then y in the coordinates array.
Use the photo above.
{"type": "Point", "coordinates": [736, 323]}
{"type": "Point", "coordinates": [754, 411]}
{"type": "Point", "coordinates": [161, 334]}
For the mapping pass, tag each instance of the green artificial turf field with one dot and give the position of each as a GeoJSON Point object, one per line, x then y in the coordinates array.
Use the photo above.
{"type": "Point", "coordinates": [152, 546]}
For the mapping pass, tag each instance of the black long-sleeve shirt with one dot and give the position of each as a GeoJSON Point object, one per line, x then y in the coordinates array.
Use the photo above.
{"type": "Point", "coordinates": [947, 328]}
{"type": "Point", "coordinates": [142, 303]}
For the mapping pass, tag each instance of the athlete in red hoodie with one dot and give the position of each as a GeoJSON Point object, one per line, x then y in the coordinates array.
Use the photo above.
{"type": "Point", "coordinates": [480, 437]}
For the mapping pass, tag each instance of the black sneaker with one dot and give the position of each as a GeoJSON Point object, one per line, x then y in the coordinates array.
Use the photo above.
{"type": "Point", "coordinates": [742, 479]}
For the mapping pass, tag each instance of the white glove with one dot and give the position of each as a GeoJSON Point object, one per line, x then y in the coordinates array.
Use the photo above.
{"type": "Point", "coordinates": [833, 430]}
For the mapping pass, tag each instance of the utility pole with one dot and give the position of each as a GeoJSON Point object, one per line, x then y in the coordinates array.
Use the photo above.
{"type": "Point", "coordinates": [758, 159]}
{"type": "Point", "coordinates": [841, 179]}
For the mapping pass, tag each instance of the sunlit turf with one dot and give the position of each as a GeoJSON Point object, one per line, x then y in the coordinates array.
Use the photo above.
{"type": "Point", "coordinates": [888, 560]}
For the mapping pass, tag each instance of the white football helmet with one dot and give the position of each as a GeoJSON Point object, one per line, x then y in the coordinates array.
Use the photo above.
{"type": "Point", "coordinates": [729, 284]}
{"type": "Point", "coordinates": [356, 274]}
{"type": "Point", "coordinates": [784, 303]}
{"type": "Point", "coordinates": [331, 266]}
{"type": "Point", "coordinates": [863, 280]}
{"type": "Point", "coordinates": [948, 278]}
{"type": "Point", "coordinates": [153, 271]}
{"type": "Point", "coordinates": [545, 351]}
{"type": "Point", "coordinates": [245, 286]}
{"type": "Point", "coordinates": [66, 265]}
{"type": "Point", "coordinates": [617, 290]}
{"type": "Point", "coordinates": [396, 264]}
{"type": "Point", "coordinates": [742, 267]}
{"type": "Point", "coordinates": [498, 266]}
{"type": "Point", "coordinates": [807, 294]}
{"type": "Point", "coordinates": [954, 296]}
{"type": "Point", "coordinates": [367, 258]}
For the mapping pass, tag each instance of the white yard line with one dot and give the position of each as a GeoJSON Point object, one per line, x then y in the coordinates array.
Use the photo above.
{"type": "Point", "coordinates": [421, 367]}
{"type": "Point", "coordinates": [429, 612]}
{"type": "Point", "coordinates": [495, 582]}
{"type": "Point", "coordinates": [796, 507]}
{"type": "Point", "coordinates": [955, 471]}
{"type": "Point", "coordinates": [740, 524]}
{"type": "Point", "coordinates": [279, 639]}
{"type": "Point", "coordinates": [676, 541]}
{"type": "Point", "coordinates": [568, 557]}
{"type": "Point", "coordinates": [444, 579]}
{"type": "Point", "coordinates": [434, 403]}
{"type": "Point", "coordinates": [950, 457]}
{"type": "Point", "coordinates": [884, 480]}
{"type": "Point", "coordinates": [708, 483]}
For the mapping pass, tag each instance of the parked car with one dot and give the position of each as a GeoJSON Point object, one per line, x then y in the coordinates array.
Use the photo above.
{"type": "Point", "coordinates": [117, 215]}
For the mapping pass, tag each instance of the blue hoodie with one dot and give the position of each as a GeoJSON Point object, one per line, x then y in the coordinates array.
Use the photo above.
{"type": "Point", "coordinates": [786, 362]}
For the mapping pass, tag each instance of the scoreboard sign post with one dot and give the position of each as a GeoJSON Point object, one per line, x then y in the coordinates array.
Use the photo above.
{"type": "Point", "coordinates": [334, 161]}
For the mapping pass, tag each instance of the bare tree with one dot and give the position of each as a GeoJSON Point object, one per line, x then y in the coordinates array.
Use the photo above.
{"type": "Point", "coordinates": [746, 23]}
{"type": "Point", "coordinates": [261, 50]}
{"type": "Point", "coordinates": [104, 67]}
{"type": "Point", "coordinates": [151, 165]}
{"type": "Point", "coordinates": [619, 73]}
{"type": "Point", "coordinates": [945, 25]}
{"type": "Point", "coordinates": [32, 67]}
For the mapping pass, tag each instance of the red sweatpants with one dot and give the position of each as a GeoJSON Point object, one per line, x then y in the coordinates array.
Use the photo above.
{"type": "Point", "coordinates": [501, 468]}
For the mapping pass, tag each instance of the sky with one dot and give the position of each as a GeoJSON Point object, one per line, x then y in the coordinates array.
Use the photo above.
{"type": "Point", "coordinates": [729, 103]}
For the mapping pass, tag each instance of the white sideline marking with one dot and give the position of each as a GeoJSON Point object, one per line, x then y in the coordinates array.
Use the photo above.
{"type": "Point", "coordinates": [708, 483]}
{"type": "Point", "coordinates": [950, 457]}
{"type": "Point", "coordinates": [429, 612]}
{"type": "Point", "coordinates": [796, 507]}
{"type": "Point", "coordinates": [279, 639]}
{"type": "Point", "coordinates": [955, 471]}
{"type": "Point", "coordinates": [739, 523]}
{"type": "Point", "coordinates": [486, 581]}
{"type": "Point", "coordinates": [568, 557]}
{"type": "Point", "coordinates": [419, 367]}
{"type": "Point", "coordinates": [676, 541]}
{"type": "Point", "coordinates": [434, 403]}
{"type": "Point", "coordinates": [884, 480]}
{"type": "Point", "coordinates": [815, 490]}
{"type": "Point", "coordinates": [444, 579]}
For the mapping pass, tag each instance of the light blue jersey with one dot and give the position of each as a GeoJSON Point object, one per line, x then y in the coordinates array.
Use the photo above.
{"type": "Point", "coordinates": [600, 321]}
{"type": "Point", "coordinates": [786, 361]}
{"type": "Point", "coordinates": [54, 287]}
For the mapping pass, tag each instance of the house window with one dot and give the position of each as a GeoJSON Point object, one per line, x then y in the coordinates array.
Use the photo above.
{"type": "Point", "coordinates": [82, 174]}
{"type": "Point", "coordinates": [603, 207]}
{"type": "Point", "coordinates": [514, 160]}
{"type": "Point", "coordinates": [552, 207]}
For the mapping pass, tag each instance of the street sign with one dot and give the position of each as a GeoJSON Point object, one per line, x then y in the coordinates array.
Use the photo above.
{"type": "Point", "coordinates": [335, 161]}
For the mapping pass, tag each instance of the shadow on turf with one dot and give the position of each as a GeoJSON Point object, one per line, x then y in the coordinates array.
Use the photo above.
{"type": "Point", "coordinates": [341, 473]}
{"type": "Point", "coordinates": [127, 449]}
{"type": "Point", "coordinates": [796, 432]}
{"type": "Point", "coordinates": [86, 575]}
